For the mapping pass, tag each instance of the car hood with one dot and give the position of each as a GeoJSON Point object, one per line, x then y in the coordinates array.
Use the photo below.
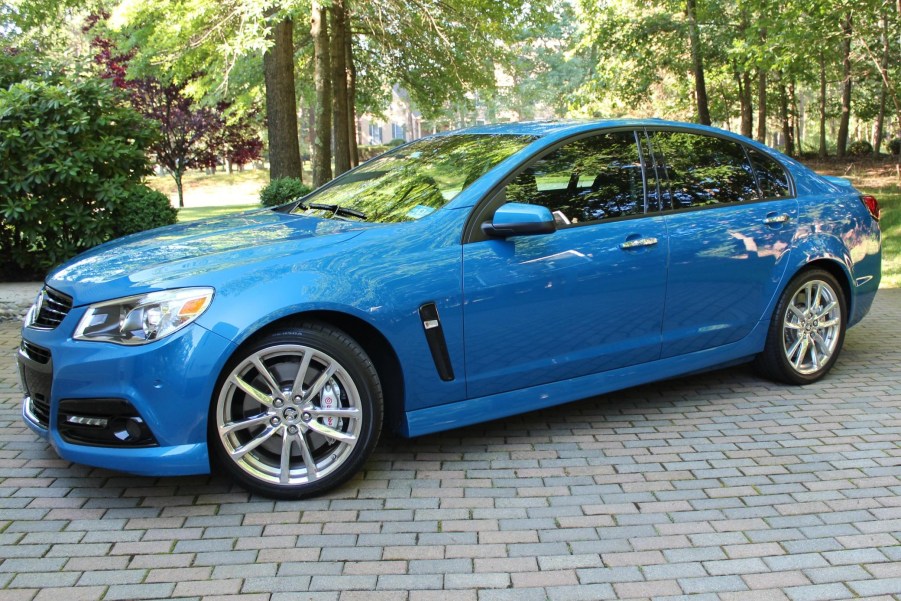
{"type": "Point", "coordinates": [181, 255]}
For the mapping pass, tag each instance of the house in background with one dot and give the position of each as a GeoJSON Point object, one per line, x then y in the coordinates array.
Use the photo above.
{"type": "Point", "coordinates": [400, 122]}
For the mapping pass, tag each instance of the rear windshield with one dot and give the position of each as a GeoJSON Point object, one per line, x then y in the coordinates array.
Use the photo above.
{"type": "Point", "coordinates": [415, 179]}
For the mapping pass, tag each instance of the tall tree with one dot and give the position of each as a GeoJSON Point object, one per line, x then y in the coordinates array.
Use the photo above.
{"type": "Point", "coordinates": [322, 141]}
{"type": "Point", "coordinates": [841, 142]}
{"type": "Point", "coordinates": [340, 115]}
{"type": "Point", "coordinates": [697, 62]}
{"type": "Point", "coordinates": [281, 103]}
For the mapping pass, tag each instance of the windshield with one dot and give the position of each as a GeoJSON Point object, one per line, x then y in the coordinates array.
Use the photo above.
{"type": "Point", "coordinates": [414, 180]}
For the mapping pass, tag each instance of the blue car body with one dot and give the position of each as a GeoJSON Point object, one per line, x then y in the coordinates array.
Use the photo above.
{"type": "Point", "coordinates": [528, 321]}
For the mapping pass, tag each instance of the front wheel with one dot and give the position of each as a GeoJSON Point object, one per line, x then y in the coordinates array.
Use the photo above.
{"type": "Point", "coordinates": [297, 413]}
{"type": "Point", "coordinates": [807, 329]}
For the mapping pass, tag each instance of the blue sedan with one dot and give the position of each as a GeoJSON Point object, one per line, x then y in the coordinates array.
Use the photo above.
{"type": "Point", "coordinates": [460, 278]}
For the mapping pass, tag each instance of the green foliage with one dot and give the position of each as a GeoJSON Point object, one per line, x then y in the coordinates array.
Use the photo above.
{"type": "Point", "coordinates": [71, 153]}
{"type": "Point", "coordinates": [860, 148]}
{"type": "Point", "coordinates": [396, 142]}
{"type": "Point", "coordinates": [895, 146]}
{"type": "Point", "coordinates": [142, 208]}
{"type": "Point", "coordinates": [283, 190]}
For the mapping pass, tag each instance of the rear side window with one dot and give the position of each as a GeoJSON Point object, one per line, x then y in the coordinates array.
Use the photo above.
{"type": "Point", "coordinates": [701, 170]}
{"type": "Point", "coordinates": [771, 176]}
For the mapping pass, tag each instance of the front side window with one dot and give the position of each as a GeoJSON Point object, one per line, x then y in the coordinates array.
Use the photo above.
{"type": "Point", "coordinates": [587, 180]}
{"type": "Point", "coordinates": [701, 170]}
{"type": "Point", "coordinates": [414, 180]}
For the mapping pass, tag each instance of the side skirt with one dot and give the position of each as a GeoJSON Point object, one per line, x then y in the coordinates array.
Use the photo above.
{"type": "Point", "coordinates": [505, 404]}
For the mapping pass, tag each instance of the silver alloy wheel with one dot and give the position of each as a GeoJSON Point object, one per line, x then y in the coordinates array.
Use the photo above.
{"type": "Point", "coordinates": [811, 327]}
{"type": "Point", "coordinates": [289, 414]}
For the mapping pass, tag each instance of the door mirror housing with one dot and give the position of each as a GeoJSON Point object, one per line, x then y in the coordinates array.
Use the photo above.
{"type": "Point", "coordinates": [518, 219]}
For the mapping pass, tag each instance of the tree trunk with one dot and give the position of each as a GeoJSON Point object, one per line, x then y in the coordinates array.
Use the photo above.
{"type": "Point", "coordinates": [787, 130]}
{"type": "Point", "coordinates": [697, 62]}
{"type": "Point", "coordinates": [351, 95]}
{"type": "Point", "coordinates": [338, 53]}
{"type": "Point", "coordinates": [761, 105]}
{"type": "Point", "coordinates": [822, 150]}
{"type": "Point", "coordinates": [322, 141]}
{"type": "Point", "coordinates": [795, 116]}
{"type": "Point", "coordinates": [883, 91]}
{"type": "Point", "coordinates": [842, 139]}
{"type": "Point", "coordinates": [176, 175]}
{"type": "Point", "coordinates": [747, 110]}
{"type": "Point", "coordinates": [281, 105]}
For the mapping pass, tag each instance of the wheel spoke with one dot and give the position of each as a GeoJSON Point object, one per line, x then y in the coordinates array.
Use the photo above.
{"type": "Point", "coordinates": [248, 447]}
{"type": "Point", "coordinates": [827, 309]}
{"type": "Point", "coordinates": [798, 313]}
{"type": "Point", "coordinates": [830, 323]}
{"type": "Point", "coordinates": [297, 388]}
{"type": "Point", "coordinates": [792, 325]}
{"type": "Point", "coordinates": [350, 413]}
{"type": "Point", "coordinates": [284, 476]}
{"type": "Point", "coordinates": [817, 297]}
{"type": "Point", "coordinates": [802, 352]}
{"type": "Point", "coordinates": [320, 382]}
{"type": "Point", "coordinates": [267, 376]}
{"type": "Point", "coordinates": [794, 348]}
{"type": "Point", "coordinates": [257, 420]}
{"type": "Point", "coordinates": [312, 472]}
{"type": "Point", "coordinates": [331, 433]}
{"type": "Point", "coordinates": [820, 342]}
{"type": "Point", "coordinates": [258, 395]}
{"type": "Point", "coordinates": [808, 291]}
{"type": "Point", "coordinates": [814, 358]}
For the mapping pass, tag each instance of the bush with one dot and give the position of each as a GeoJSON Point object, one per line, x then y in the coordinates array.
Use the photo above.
{"type": "Point", "coordinates": [283, 190]}
{"type": "Point", "coordinates": [71, 151]}
{"type": "Point", "coordinates": [894, 146]}
{"type": "Point", "coordinates": [395, 142]}
{"type": "Point", "coordinates": [860, 148]}
{"type": "Point", "coordinates": [142, 209]}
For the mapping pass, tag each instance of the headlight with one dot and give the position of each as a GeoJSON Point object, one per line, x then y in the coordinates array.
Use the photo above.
{"type": "Point", "coordinates": [145, 318]}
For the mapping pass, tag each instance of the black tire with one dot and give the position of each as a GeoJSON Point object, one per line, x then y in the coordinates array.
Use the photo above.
{"type": "Point", "coordinates": [802, 343]}
{"type": "Point", "coordinates": [332, 420]}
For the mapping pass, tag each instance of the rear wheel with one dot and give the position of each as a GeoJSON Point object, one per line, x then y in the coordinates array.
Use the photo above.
{"type": "Point", "coordinates": [297, 413]}
{"type": "Point", "coordinates": [807, 329]}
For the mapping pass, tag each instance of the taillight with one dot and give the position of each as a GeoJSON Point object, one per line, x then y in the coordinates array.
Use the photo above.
{"type": "Point", "coordinates": [871, 204]}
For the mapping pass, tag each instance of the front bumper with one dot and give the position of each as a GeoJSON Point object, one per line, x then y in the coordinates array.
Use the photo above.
{"type": "Point", "coordinates": [168, 383]}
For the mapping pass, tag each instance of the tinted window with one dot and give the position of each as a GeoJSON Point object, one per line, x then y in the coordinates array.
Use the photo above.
{"type": "Point", "coordinates": [586, 180]}
{"type": "Point", "coordinates": [771, 176]}
{"type": "Point", "coordinates": [702, 170]}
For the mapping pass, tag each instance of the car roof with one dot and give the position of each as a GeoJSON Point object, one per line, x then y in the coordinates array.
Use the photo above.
{"type": "Point", "coordinates": [562, 128]}
{"type": "Point", "coordinates": [551, 127]}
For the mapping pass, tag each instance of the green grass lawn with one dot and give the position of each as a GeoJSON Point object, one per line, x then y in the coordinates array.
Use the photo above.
{"type": "Point", "coordinates": [195, 213]}
{"type": "Point", "coordinates": [889, 198]}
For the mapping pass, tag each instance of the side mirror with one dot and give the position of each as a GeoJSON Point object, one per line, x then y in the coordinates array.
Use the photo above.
{"type": "Point", "coordinates": [517, 219]}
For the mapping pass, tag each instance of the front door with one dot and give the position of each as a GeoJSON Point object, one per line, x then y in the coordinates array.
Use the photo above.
{"type": "Point", "coordinates": [584, 299]}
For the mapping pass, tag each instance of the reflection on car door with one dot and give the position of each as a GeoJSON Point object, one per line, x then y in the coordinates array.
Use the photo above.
{"type": "Point", "coordinates": [727, 244]}
{"type": "Point", "coordinates": [584, 299]}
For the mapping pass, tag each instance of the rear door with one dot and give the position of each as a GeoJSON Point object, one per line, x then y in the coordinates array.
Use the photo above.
{"type": "Point", "coordinates": [584, 299]}
{"type": "Point", "coordinates": [730, 227]}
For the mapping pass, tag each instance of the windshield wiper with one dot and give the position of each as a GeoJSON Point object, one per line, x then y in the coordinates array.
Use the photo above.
{"type": "Point", "coordinates": [336, 209]}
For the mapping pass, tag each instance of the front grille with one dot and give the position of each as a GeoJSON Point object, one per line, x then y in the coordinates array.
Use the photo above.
{"type": "Point", "coordinates": [35, 353]}
{"type": "Point", "coordinates": [53, 307]}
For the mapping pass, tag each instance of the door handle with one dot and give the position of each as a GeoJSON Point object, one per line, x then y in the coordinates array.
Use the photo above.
{"type": "Point", "coordinates": [638, 243]}
{"type": "Point", "coordinates": [773, 219]}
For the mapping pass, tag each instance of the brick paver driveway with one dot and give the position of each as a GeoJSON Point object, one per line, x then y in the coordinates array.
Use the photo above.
{"type": "Point", "coordinates": [721, 485]}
